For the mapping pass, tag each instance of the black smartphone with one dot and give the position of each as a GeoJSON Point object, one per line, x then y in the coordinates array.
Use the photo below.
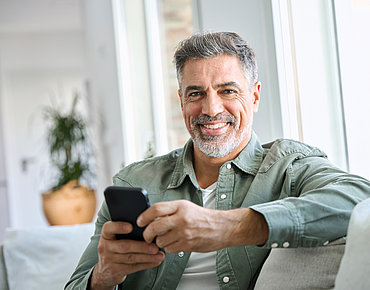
{"type": "Point", "coordinates": [126, 204]}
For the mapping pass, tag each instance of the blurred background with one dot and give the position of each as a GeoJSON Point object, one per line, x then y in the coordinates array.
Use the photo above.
{"type": "Point", "coordinates": [117, 54]}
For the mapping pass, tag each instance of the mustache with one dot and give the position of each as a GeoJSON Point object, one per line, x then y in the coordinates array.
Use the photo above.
{"type": "Point", "coordinates": [222, 117]}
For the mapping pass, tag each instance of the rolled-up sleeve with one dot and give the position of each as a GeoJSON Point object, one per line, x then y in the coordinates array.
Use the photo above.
{"type": "Point", "coordinates": [317, 207]}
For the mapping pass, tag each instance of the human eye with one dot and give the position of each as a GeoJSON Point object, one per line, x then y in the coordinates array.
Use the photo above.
{"type": "Point", "coordinates": [195, 95]}
{"type": "Point", "coordinates": [229, 93]}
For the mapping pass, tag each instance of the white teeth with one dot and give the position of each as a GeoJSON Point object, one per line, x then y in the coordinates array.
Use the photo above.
{"type": "Point", "coordinates": [215, 126]}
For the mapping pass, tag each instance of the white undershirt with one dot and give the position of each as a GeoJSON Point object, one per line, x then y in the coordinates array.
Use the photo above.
{"type": "Point", "coordinates": [200, 272]}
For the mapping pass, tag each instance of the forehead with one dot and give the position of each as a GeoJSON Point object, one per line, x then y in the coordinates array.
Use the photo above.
{"type": "Point", "coordinates": [219, 69]}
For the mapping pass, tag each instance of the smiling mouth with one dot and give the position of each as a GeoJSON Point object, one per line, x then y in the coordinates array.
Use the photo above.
{"type": "Point", "coordinates": [215, 126]}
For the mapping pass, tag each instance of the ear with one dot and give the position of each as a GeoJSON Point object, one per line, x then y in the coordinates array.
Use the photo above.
{"type": "Point", "coordinates": [256, 96]}
{"type": "Point", "coordinates": [179, 94]}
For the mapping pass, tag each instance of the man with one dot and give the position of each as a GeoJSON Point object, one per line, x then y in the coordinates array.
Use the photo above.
{"type": "Point", "coordinates": [220, 204]}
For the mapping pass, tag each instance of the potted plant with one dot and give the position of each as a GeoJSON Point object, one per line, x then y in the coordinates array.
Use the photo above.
{"type": "Point", "coordinates": [68, 202]}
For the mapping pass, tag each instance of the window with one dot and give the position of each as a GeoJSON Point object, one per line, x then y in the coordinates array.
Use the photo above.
{"type": "Point", "coordinates": [146, 34]}
{"type": "Point", "coordinates": [176, 23]}
{"type": "Point", "coordinates": [353, 29]}
{"type": "Point", "coordinates": [309, 76]}
{"type": "Point", "coordinates": [323, 64]}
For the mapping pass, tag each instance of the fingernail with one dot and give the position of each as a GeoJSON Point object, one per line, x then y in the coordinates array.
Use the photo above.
{"type": "Point", "coordinates": [127, 228]}
{"type": "Point", "coordinates": [159, 256]}
{"type": "Point", "coordinates": [139, 221]}
{"type": "Point", "coordinates": [153, 248]}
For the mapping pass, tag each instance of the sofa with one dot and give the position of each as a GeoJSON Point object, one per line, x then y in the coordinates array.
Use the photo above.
{"type": "Point", "coordinates": [45, 257]}
{"type": "Point", "coordinates": [39, 258]}
{"type": "Point", "coordinates": [341, 265]}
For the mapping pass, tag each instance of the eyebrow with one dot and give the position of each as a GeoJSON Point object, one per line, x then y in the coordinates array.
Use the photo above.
{"type": "Point", "coordinates": [229, 84]}
{"type": "Point", "coordinates": [219, 86]}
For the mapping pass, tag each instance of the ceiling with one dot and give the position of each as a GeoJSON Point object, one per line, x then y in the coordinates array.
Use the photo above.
{"type": "Point", "coordinates": [25, 16]}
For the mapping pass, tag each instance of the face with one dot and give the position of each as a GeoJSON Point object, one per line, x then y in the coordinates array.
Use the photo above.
{"type": "Point", "coordinates": [218, 105]}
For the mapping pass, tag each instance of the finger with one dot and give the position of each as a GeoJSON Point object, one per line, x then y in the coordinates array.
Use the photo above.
{"type": "Point", "coordinates": [157, 210]}
{"type": "Point", "coordinates": [132, 259]}
{"type": "Point", "coordinates": [130, 246]}
{"type": "Point", "coordinates": [132, 268]}
{"type": "Point", "coordinates": [158, 227]}
{"type": "Point", "coordinates": [110, 229]}
{"type": "Point", "coordinates": [179, 246]}
{"type": "Point", "coordinates": [167, 239]}
{"type": "Point", "coordinates": [121, 269]}
{"type": "Point", "coordinates": [177, 241]}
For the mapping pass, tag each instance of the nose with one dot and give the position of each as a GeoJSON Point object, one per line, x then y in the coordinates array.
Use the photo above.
{"type": "Point", "coordinates": [212, 104]}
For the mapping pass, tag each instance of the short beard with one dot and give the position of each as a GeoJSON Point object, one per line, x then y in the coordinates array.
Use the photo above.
{"type": "Point", "coordinates": [216, 146]}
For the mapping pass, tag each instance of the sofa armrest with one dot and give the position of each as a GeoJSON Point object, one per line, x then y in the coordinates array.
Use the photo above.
{"type": "Point", "coordinates": [354, 271]}
{"type": "Point", "coordinates": [3, 276]}
{"type": "Point", "coordinates": [302, 268]}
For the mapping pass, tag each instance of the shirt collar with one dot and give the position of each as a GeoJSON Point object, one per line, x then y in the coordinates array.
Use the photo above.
{"type": "Point", "coordinates": [249, 161]}
{"type": "Point", "coordinates": [251, 157]}
{"type": "Point", "coordinates": [184, 167]}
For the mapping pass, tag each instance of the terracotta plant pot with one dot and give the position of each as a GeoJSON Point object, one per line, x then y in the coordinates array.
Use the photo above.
{"type": "Point", "coordinates": [71, 204]}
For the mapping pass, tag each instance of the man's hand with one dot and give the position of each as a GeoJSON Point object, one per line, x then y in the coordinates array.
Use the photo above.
{"type": "Point", "coordinates": [118, 258]}
{"type": "Point", "coordinates": [184, 226]}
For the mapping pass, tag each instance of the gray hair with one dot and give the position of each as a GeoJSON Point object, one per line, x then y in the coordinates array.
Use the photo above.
{"type": "Point", "coordinates": [207, 45]}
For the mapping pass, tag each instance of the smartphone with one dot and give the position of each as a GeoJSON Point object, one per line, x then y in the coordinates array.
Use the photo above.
{"type": "Point", "coordinates": [126, 204]}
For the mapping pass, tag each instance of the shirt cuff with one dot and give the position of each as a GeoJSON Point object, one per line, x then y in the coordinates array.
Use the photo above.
{"type": "Point", "coordinates": [283, 223]}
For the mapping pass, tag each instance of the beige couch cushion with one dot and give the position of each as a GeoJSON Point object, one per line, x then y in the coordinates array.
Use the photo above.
{"type": "Point", "coordinates": [301, 268]}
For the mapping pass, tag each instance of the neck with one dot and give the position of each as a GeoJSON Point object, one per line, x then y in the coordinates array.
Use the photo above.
{"type": "Point", "coordinates": [207, 168]}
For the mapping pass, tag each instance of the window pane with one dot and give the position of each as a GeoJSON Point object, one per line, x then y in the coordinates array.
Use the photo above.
{"type": "Point", "coordinates": [353, 26]}
{"type": "Point", "coordinates": [175, 25]}
{"type": "Point", "coordinates": [318, 79]}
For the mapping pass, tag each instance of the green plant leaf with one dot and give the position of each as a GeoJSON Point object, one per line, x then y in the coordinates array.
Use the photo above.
{"type": "Point", "coordinates": [67, 139]}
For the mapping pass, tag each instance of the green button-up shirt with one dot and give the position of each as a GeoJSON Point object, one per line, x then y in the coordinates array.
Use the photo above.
{"type": "Point", "coordinates": [305, 200]}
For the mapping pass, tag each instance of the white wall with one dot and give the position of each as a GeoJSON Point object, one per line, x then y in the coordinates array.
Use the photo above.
{"type": "Point", "coordinates": [39, 47]}
{"type": "Point", "coordinates": [42, 50]}
{"type": "Point", "coordinates": [4, 212]}
{"type": "Point", "coordinates": [36, 67]}
{"type": "Point", "coordinates": [46, 44]}
{"type": "Point", "coordinates": [55, 54]}
{"type": "Point", "coordinates": [252, 19]}
{"type": "Point", "coordinates": [101, 72]}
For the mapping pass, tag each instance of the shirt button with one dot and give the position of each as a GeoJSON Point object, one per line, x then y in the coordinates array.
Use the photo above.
{"type": "Point", "coordinates": [274, 245]}
{"type": "Point", "coordinates": [223, 196]}
{"type": "Point", "coordinates": [286, 244]}
{"type": "Point", "coordinates": [326, 243]}
{"type": "Point", "coordinates": [181, 254]}
{"type": "Point", "coordinates": [228, 165]}
{"type": "Point", "coordinates": [226, 279]}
